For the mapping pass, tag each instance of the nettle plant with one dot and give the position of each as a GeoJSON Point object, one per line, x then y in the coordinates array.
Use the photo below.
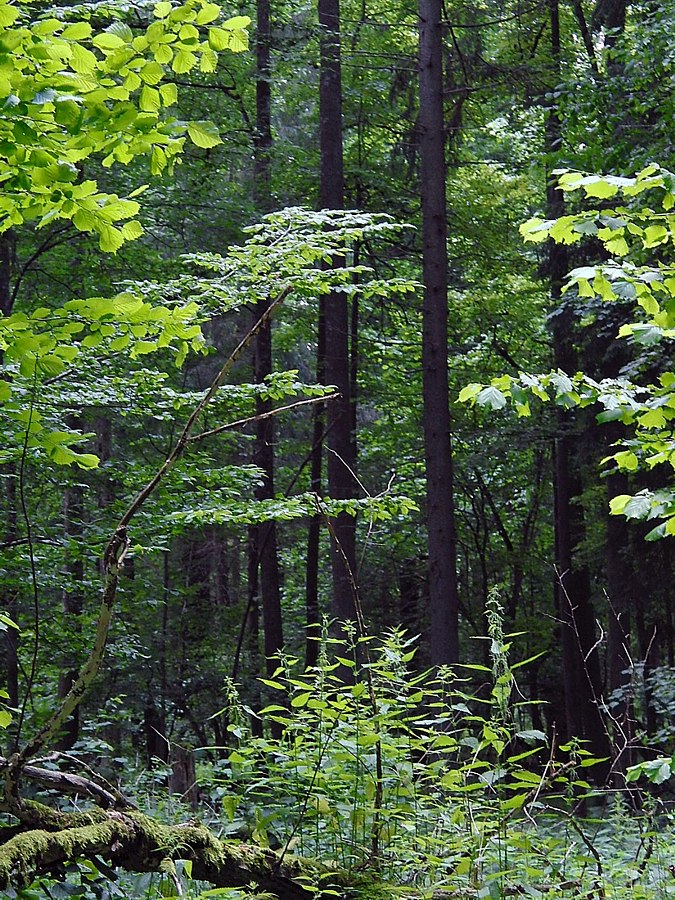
{"type": "Point", "coordinates": [434, 782]}
{"type": "Point", "coordinates": [637, 234]}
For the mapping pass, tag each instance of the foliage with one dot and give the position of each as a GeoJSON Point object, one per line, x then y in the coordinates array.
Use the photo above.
{"type": "Point", "coordinates": [72, 94]}
{"type": "Point", "coordinates": [470, 798]}
{"type": "Point", "coordinates": [639, 272]}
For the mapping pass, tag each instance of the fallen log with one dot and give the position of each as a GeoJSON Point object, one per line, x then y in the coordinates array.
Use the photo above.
{"type": "Point", "coordinates": [130, 840]}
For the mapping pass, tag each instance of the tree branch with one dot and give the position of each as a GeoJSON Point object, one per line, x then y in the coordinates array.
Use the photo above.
{"type": "Point", "coordinates": [266, 415]}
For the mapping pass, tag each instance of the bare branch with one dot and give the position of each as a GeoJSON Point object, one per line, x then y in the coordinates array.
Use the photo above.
{"type": "Point", "coordinates": [258, 418]}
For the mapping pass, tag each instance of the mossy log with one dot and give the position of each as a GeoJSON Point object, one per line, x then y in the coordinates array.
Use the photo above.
{"type": "Point", "coordinates": [46, 840]}
{"type": "Point", "coordinates": [137, 843]}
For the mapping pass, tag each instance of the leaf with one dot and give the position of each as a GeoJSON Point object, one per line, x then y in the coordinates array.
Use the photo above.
{"type": "Point", "coordinates": [531, 736]}
{"type": "Point", "coordinates": [515, 802]}
{"type": "Point", "coordinates": [204, 134]}
{"type": "Point", "coordinates": [78, 31]}
{"type": "Point", "coordinates": [8, 15]}
{"type": "Point", "coordinates": [638, 507]}
{"type": "Point", "coordinates": [600, 188]}
{"type": "Point", "coordinates": [149, 100]}
{"type": "Point", "coordinates": [626, 460]}
{"type": "Point", "coordinates": [110, 238]}
{"type": "Point", "coordinates": [106, 41]}
{"type": "Point", "coordinates": [491, 397]}
{"type": "Point", "coordinates": [183, 61]}
{"type": "Point", "coordinates": [655, 234]}
{"type": "Point", "coordinates": [132, 230]}
{"type": "Point", "coordinates": [168, 93]}
{"type": "Point", "coordinates": [469, 393]}
{"type": "Point", "coordinates": [300, 700]}
{"type": "Point", "coordinates": [208, 13]}
{"type": "Point", "coordinates": [618, 504]}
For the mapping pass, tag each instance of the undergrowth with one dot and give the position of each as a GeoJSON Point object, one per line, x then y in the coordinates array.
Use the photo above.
{"type": "Point", "coordinates": [428, 783]}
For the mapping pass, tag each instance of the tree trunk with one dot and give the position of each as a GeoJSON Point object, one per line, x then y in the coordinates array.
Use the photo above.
{"type": "Point", "coordinates": [581, 665]}
{"type": "Point", "coordinates": [6, 258]}
{"type": "Point", "coordinates": [442, 541]}
{"type": "Point", "coordinates": [72, 601]}
{"type": "Point", "coordinates": [313, 612]}
{"type": "Point", "coordinates": [341, 462]}
{"type": "Point", "coordinates": [262, 160]}
{"type": "Point", "coordinates": [11, 531]}
{"type": "Point", "coordinates": [266, 543]}
{"type": "Point", "coordinates": [620, 581]}
{"type": "Point", "coordinates": [266, 539]}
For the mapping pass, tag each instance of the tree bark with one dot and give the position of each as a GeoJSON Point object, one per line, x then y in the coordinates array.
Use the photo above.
{"type": "Point", "coordinates": [262, 159]}
{"type": "Point", "coordinates": [72, 601]}
{"type": "Point", "coordinates": [11, 531]}
{"type": "Point", "coordinates": [581, 664]}
{"type": "Point", "coordinates": [266, 539]}
{"type": "Point", "coordinates": [266, 543]}
{"type": "Point", "coordinates": [312, 610]}
{"type": "Point", "coordinates": [341, 461]}
{"type": "Point", "coordinates": [442, 541]}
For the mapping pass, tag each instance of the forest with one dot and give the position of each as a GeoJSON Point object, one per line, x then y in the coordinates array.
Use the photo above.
{"type": "Point", "coordinates": [337, 505]}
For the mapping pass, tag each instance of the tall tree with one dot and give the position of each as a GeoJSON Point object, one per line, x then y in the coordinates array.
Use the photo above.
{"type": "Point", "coordinates": [581, 664]}
{"type": "Point", "coordinates": [265, 542]}
{"type": "Point", "coordinates": [442, 540]}
{"type": "Point", "coordinates": [341, 462]}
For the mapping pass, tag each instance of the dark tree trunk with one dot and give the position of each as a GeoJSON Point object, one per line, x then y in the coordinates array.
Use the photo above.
{"type": "Point", "coordinates": [409, 596]}
{"type": "Point", "coordinates": [72, 601]}
{"type": "Point", "coordinates": [341, 461]}
{"type": "Point", "coordinates": [266, 538]}
{"type": "Point", "coordinates": [12, 605]}
{"type": "Point", "coordinates": [156, 743]}
{"type": "Point", "coordinates": [262, 160]}
{"type": "Point", "coordinates": [252, 625]}
{"type": "Point", "coordinates": [313, 612]}
{"type": "Point", "coordinates": [442, 541]}
{"type": "Point", "coordinates": [11, 532]}
{"type": "Point", "coordinates": [620, 582]}
{"type": "Point", "coordinates": [266, 543]}
{"type": "Point", "coordinates": [6, 259]}
{"type": "Point", "coordinates": [581, 664]}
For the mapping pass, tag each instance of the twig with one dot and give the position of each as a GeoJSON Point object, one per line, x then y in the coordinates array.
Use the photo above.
{"type": "Point", "coordinates": [260, 416]}
{"type": "Point", "coordinates": [68, 783]}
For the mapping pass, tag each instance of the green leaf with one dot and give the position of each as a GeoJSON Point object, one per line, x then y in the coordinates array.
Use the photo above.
{"type": "Point", "coordinates": [8, 15]}
{"type": "Point", "coordinates": [469, 393]}
{"type": "Point", "coordinates": [204, 134]}
{"type": "Point", "coordinates": [208, 13]}
{"type": "Point", "coordinates": [656, 234]}
{"type": "Point", "coordinates": [491, 397]}
{"type": "Point", "coordinates": [78, 31]}
{"type": "Point", "coordinates": [638, 507]}
{"type": "Point", "coordinates": [626, 460]}
{"type": "Point", "coordinates": [110, 238]}
{"type": "Point", "coordinates": [600, 188]}
{"type": "Point", "coordinates": [183, 61]}
{"type": "Point", "coordinates": [618, 504]}
{"type": "Point", "coordinates": [107, 41]}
